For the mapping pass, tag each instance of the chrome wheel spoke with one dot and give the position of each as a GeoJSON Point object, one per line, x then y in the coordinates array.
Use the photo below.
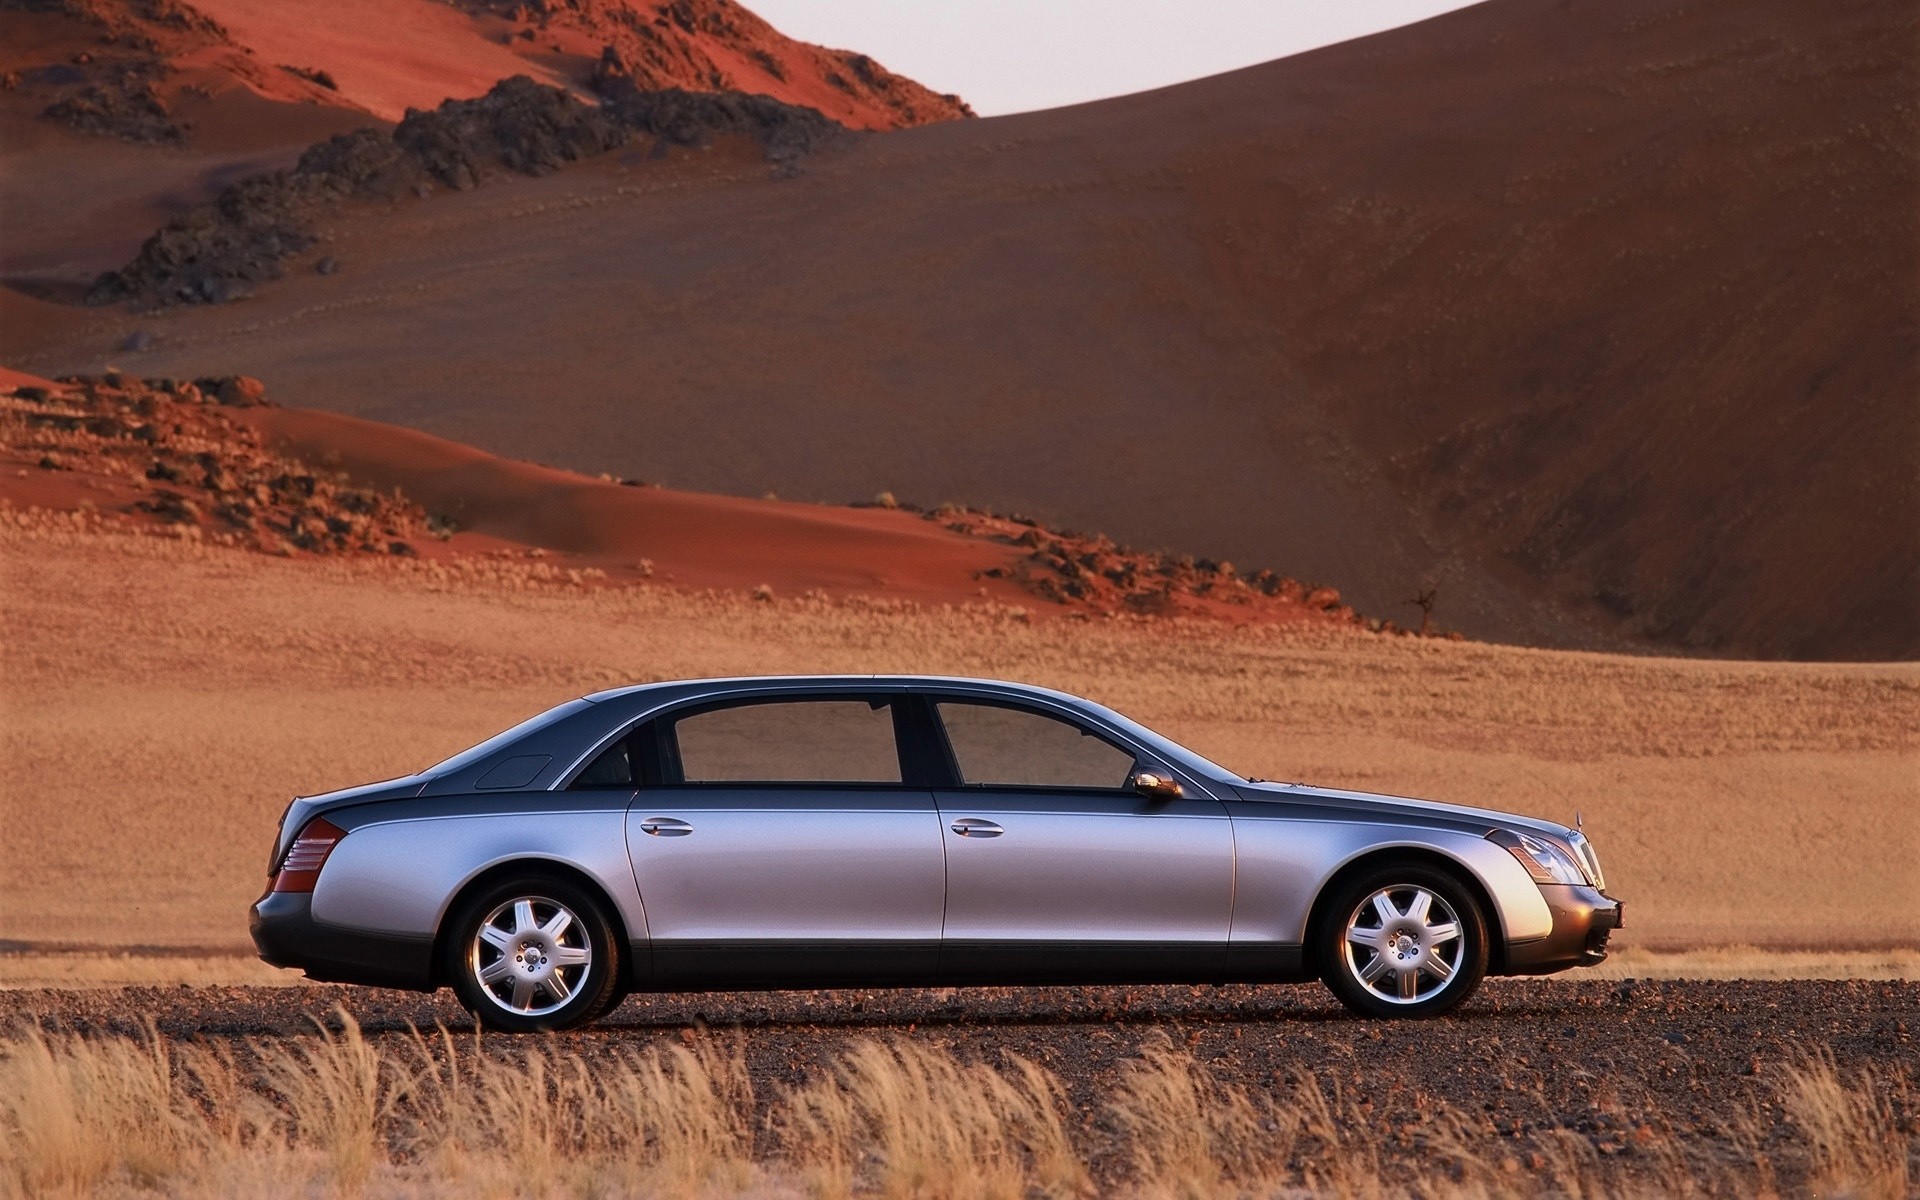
{"type": "Point", "coordinates": [523, 993]}
{"type": "Point", "coordinates": [571, 956]}
{"type": "Point", "coordinates": [1439, 934]}
{"type": "Point", "coordinates": [497, 937]}
{"type": "Point", "coordinates": [1371, 973]}
{"type": "Point", "coordinates": [558, 924]}
{"type": "Point", "coordinates": [557, 988]}
{"type": "Point", "coordinates": [495, 971]}
{"type": "Point", "coordinates": [1361, 936]}
{"type": "Point", "coordinates": [1418, 906]}
{"type": "Point", "coordinates": [1383, 906]}
{"type": "Point", "coordinates": [1409, 983]}
{"type": "Point", "coordinates": [1436, 966]}
{"type": "Point", "coordinates": [523, 921]}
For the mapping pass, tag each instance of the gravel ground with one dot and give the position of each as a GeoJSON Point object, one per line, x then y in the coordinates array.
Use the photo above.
{"type": "Point", "coordinates": [1620, 1062]}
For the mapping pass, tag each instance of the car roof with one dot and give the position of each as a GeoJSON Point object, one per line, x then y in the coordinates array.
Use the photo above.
{"type": "Point", "coordinates": [757, 682]}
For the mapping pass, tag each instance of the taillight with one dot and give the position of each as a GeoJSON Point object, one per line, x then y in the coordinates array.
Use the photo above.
{"type": "Point", "coordinates": [300, 869]}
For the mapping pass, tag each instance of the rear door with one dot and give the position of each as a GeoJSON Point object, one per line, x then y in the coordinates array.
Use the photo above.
{"type": "Point", "coordinates": [787, 845]}
{"type": "Point", "coordinates": [1059, 872]}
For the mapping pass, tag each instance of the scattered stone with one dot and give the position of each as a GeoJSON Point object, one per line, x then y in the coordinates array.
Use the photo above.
{"type": "Point", "coordinates": [238, 391]}
{"type": "Point", "coordinates": [189, 463]}
{"type": "Point", "coordinates": [137, 342]}
{"type": "Point", "coordinates": [327, 265]}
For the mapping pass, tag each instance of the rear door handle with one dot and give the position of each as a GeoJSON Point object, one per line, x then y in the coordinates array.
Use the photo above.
{"type": "Point", "coordinates": [665, 827]}
{"type": "Point", "coordinates": [976, 827]}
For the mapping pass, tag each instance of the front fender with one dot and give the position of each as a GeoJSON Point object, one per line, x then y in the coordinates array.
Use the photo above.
{"type": "Point", "coordinates": [1282, 864]}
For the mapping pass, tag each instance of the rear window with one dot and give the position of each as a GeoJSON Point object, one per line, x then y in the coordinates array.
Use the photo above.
{"type": "Point", "coordinates": [790, 741]}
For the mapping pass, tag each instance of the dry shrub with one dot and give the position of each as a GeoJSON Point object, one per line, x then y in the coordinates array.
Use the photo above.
{"type": "Point", "coordinates": [341, 1093]}
{"type": "Point", "coordinates": [1850, 1128]}
{"type": "Point", "coordinates": [670, 1121]}
{"type": "Point", "coordinates": [77, 1114]}
{"type": "Point", "coordinates": [337, 1113]}
{"type": "Point", "coordinates": [905, 1119]}
{"type": "Point", "coordinates": [1187, 1135]}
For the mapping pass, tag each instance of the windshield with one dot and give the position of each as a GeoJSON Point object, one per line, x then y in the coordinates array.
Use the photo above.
{"type": "Point", "coordinates": [1163, 745]}
{"type": "Point", "coordinates": [468, 757]}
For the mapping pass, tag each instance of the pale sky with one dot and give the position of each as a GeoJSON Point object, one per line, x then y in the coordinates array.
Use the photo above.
{"type": "Point", "coordinates": [1007, 56]}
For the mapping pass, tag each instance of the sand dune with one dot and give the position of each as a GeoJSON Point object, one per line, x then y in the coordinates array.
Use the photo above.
{"type": "Point", "coordinates": [1601, 320]}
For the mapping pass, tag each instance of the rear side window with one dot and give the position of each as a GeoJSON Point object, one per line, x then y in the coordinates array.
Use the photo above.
{"type": "Point", "coordinates": [790, 741]}
{"type": "Point", "coordinates": [613, 769]}
{"type": "Point", "coordinates": [1013, 747]}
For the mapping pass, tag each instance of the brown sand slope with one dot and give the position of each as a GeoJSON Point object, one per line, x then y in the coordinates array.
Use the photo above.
{"type": "Point", "coordinates": [213, 460]}
{"type": "Point", "coordinates": [1601, 318]}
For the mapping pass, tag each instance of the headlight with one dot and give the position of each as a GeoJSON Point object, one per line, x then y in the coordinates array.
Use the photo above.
{"type": "Point", "coordinates": [1588, 858]}
{"type": "Point", "coordinates": [1546, 862]}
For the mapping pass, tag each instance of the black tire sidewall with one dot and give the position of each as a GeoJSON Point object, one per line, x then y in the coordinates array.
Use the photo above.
{"type": "Point", "coordinates": [1330, 938]}
{"type": "Point", "coordinates": [603, 973]}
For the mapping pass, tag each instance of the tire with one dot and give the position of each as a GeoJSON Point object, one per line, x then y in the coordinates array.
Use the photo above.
{"type": "Point", "coordinates": [1386, 952]}
{"type": "Point", "coordinates": [496, 934]}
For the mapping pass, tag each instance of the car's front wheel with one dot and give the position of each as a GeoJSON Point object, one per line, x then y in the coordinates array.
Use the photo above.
{"type": "Point", "coordinates": [1402, 940]}
{"type": "Point", "coordinates": [533, 953]}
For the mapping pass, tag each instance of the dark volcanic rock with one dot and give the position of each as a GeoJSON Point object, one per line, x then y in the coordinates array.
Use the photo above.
{"type": "Point", "coordinates": [245, 236]}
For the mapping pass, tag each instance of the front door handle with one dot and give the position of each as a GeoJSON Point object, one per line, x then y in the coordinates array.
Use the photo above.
{"type": "Point", "coordinates": [665, 827]}
{"type": "Point", "coordinates": [976, 827]}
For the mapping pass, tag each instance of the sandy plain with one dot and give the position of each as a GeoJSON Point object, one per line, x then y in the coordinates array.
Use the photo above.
{"type": "Point", "coordinates": [162, 699]}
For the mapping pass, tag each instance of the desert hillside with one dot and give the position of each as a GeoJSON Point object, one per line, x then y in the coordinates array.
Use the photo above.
{"type": "Point", "coordinates": [118, 114]}
{"type": "Point", "coordinates": [1600, 320]}
{"type": "Point", "coordinates": [215, 461]}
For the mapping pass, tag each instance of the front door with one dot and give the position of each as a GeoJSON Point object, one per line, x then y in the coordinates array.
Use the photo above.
{"type": "Point", "coordinates": [785, 847]}
{"type": "Point", "coordinates": [1059, 872]}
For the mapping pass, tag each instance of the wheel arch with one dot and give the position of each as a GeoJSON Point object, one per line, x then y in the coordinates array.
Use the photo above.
{"type": "Point", "coordinates": [1425, 856]}
{"type": "Point", "coordinates": [532, 865]}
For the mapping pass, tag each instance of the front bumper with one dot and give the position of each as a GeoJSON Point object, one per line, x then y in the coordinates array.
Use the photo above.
{"type": "Point", "coordinates": [1584, 919]}
{"type": "Point", "coordinates": [286, 935]}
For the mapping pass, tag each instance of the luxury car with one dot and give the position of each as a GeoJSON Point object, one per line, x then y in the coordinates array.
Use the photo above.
{"type": "Point", "coordinates": [809, 832]}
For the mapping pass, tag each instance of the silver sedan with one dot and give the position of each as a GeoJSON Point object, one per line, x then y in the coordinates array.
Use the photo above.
{"type": "Point", "coordinates": [878, 831]}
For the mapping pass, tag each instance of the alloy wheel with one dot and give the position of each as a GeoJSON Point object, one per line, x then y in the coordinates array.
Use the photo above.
{"type": "Point", "coordinates": [530, 956]}
{"type": "Point", "coordinates": [1403, 944]}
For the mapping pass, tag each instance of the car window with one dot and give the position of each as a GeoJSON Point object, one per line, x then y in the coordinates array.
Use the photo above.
{"type": "Point", "coordinates": [1014, 747]}
{"type": "Point", "coordinates": [790, 741]}
{"type": "Point", "coordinates": [613, 769]}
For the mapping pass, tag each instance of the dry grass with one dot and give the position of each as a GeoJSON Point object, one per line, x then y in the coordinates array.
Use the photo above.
{"type": "Point", "coordinates": [160, 701]}
{"type": "Point", "coordinates": [338, 1113]}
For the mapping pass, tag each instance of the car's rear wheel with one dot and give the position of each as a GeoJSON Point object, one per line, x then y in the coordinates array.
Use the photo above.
{"type": "Point", "coordinates": [533, 953]}
{"type": "Point", "coordinates": [1402, 940]}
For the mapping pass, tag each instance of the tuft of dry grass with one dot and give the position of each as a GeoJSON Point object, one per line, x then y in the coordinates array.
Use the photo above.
{"type": "Point", "coordinates": [1849, 1128]}
{"type": "Point", "coordinates": [339, 1113]}
{"type": "Point", "coordinates": [900, 1119]}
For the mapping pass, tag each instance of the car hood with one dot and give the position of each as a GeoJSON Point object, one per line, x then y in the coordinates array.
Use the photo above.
{"type": "Point", "coordinates": [1432, 813]}
{"type": "Point", "coordinates": [306, 808]}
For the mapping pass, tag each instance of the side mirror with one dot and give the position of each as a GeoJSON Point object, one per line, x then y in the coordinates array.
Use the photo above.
{"type": "Point", "coordinates": [1156, 783]}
